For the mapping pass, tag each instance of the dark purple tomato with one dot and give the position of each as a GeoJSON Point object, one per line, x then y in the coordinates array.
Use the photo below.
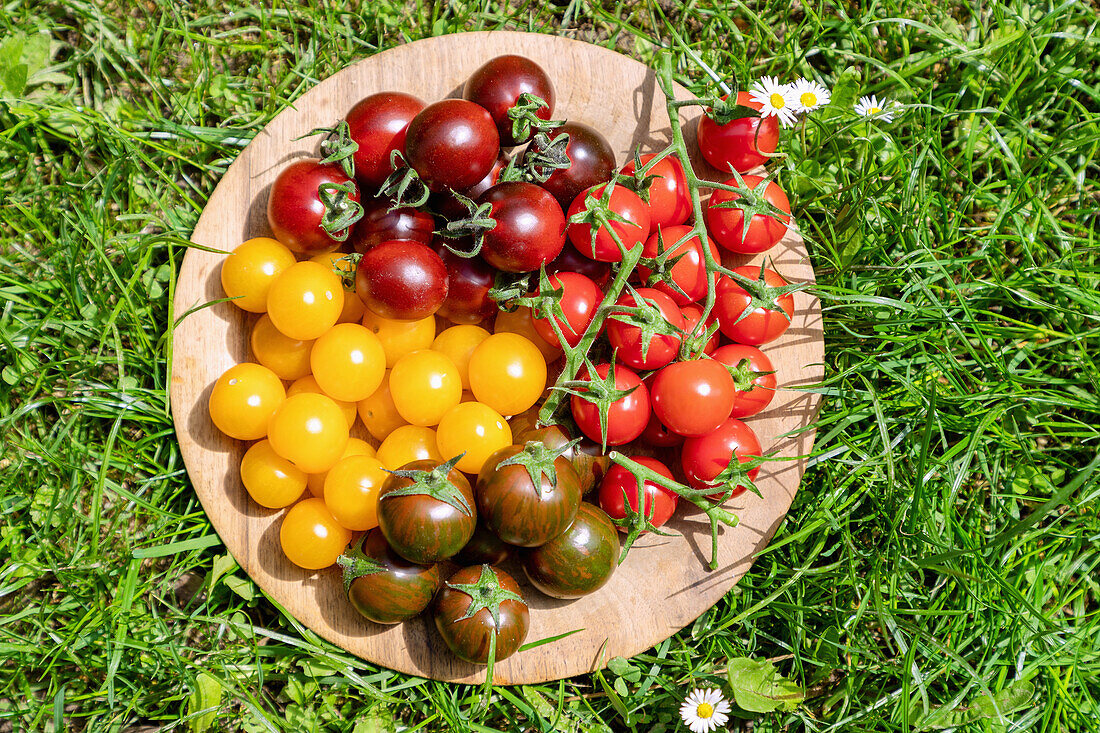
{"type": "Point", "coordinates": [530, 227]}
{"type": "Point", "coordinates": [452, 143]}
{"type": "Point", "coordinates": [497, 85]}
{"type": "Point", "coordinates": [404, 281]}
{"type": "Point", "coordinates": [588, 460]}
{"type": "Point", "coordinates": [519, 510]}
{"type": "Point", "coordinates": [484, 548]}
{"type": "Point", "coordinates": [580, 560]}
{"type": "Point", "coordinates": [379, 224]}
{"type": "Point", "coordinates": [570, 260]}
{"type": "Point", "coordinates": [469, 280]}
{"type": "Point", "coordinates": [294, 208]}
{"type": "Point", "coordinates": [378, 124]}
{"type": "Point", "coordinates": [476, 592]}
{"type": "Point", "coordinates": [383, 586]}
{"type": "Point", "coordinates": [591, 161]}
{"type": "Point", "coordinates": [433, 524]}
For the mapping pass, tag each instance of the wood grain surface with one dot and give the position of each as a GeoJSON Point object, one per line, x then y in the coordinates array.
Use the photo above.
{"type": "Point", "coordinates": [664, 583]}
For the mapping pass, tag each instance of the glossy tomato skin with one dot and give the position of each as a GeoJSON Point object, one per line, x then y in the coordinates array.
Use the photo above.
{"type": "Point", "coordinates": [294, 209]}
{"type": "Point", "coordinates": [669, 197]}
{"type": "Point", "coordinates": [579, 299]}
{"type": "Point", "coordinates": [762, 325]}
{"type": "Point", "coordinates": [692, 315]}
{"type": "Point", "coordinates": [423, 529]}
{"type": "Point", "coordinates": [632, 231]}
{"type": "Point", "coordinates": [627, 416]}
{"type": "Point", "coordinates": [378, 124]}
{"type": "Point", "coordinates": [484, 548]}
{"type": "Point", "coordinates": [402, 280]}
{"type": "Point", "coordinates": [310, 536]}
{"type": "Point", "coordinates": [742, 143]}
{"type": "Point", "coordinates": [627, 340]}
{"type": "Point", "coordinates": [588, 460]}
{"type": "Point", "coordinates": [518, 511]}
{"type": "Point", "coordinates": [705, 457]}
{"type": "Point", "coordinates": [452, 143]}
{"type": "Point", "coordinates": [693, 398]}
{"type": "Point", "coordinates": [497, 85]}
{"type": "Point", "coordinates": [580, 560]}
{"type": "Point", "coordinates": [658, 435]}
{"type": "Point", "coordinates": [379, 224]}
{"type": "Point", "coordinates": [763, 232]}
{"type": "Point", "coordinates": [690, 268]}
{"type": "Point", "coordinates": [469, 280]}
{"type": "Point", "coordinates": [530, 227]}
{"type": "Point", "coordinates": [570, 260]}
{"type": "Point", "coordinates": [399, 591]}
{"type": "Point", "coordinates": [591, 161]}
{"type": "Point", "coordinates": [469, 638]}
{"type": "Point", "coordinates": [660, 503]}
{"type": "Point", "coordinates": [755, 393]}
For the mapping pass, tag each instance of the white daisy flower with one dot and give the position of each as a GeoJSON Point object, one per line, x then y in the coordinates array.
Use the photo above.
{"type": "Point", "coordinates": [704, 710]}
{"type": "Point", "coordinates": [776, 99]}
{"type": "Point", "coordinates": [871, 107]}
{"type": "Point", "coordinates": [809, 95]}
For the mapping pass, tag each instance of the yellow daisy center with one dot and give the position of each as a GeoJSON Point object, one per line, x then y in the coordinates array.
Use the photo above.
{"type": "Point", "coordinates": [873, 110]}
{"type": "Point", "coordinates": [705, 710]}
{"type": "Point", "coordinates": [808, 99]}
{"type": "Point", "coordinates": [777, 100]}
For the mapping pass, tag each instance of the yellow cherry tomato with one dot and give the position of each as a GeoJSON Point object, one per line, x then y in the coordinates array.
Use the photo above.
{"type": "Point", "coordinates": [315, 482]}
{"type": "Point", "coordinates": [243, 400]}
{"type": "Point", "coordinates": [309, 384]}
{"type": "Point", "coordinates": [406, 444]}
{"type": "Point", "coordinates": [305, 300]}
{"type": "Point", "coordinates": [424, 384]}
{"type": "Point", "coordinates": [348, 362]}
{"type": "Point", "coordinates": [310, 431]}
{"type": "Point", "coordinates": [353, 306]}
{"type": "Point", "coordinates": [351, 491]}
{"type": "Point", "coordinates": [520, 322]}
{"type": "Point", "coordinates": [507, 373]}
{"type": "Point", "coordinates": [249, 270]}
{"type": "Point", "coordinates": [271, 480]}
{"type": "Point", "coordinates": [379, 413]}
{"type": "Point", "coordinates": [473, 428]}
{"type": "Point", "coordinates": [400, 337]}
{"type": "Point", "coordinates": [458, 343]}
{"type": "Point", "coordinates": [311, 537]}
{"type": "Point", "coordinates": [287, 357]}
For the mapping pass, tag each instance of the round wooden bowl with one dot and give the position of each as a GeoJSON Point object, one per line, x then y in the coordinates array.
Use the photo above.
{"type": "Point", "coordinates": [664, 584]}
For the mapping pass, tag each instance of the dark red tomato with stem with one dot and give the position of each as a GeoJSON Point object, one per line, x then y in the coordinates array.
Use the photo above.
{"type": "Point", "coordinates": [295, 209]}
{"type": "Point", "coordinates": [447, 205]}
{"type": "Point", "coordinates": [592, 237]}
{"type": "Point", "coordinates": [579, 299]}
{"type": "Point", "coordinates": [591, 161]}
{"type": "Point", "coordinates": [452, 143]}
{"type": "Point", "coordinates": [758, 317]}
{"type": "Point", "coordinates": [426, 511]}
{"type": "Point", "coordinates": [753, 378]}
{"type": "Point", "coordinates": [570, 260]}
{"type": "Point", "coordinates": [379, 224]}
{"type": "Point", "coordinates": [740, 144]}
{"type": "Point", "coordinates": [692, 315]}
{"type": "Point", "coordinates": [404, 281]}
{"type": "Point", "coordinates": [645, 328]}
{"type": "Point", "coordinates": [588, 459]}
{"type": "Point", "coordinates": [580, 560]}
{"type": "Point", "coordinates": [706, 460]}
{"type": "Point", "coordinates": [480, 613]}
{"type": "Point", "coordinates": [530, 227]}
{"type": "Point", "coordinates": [620, 396]}
{"type": "Point", "coordinates": [469, 280]}
{"type": "Point", "coordinates": [378, 124]}
{"type": "Point", "coordinates": [692, 398]}
{"type": "Point", "coordinates": [620, 489]}
{"type": "Point", "coordinates": [497, 85]}
{"type": "Point", "coordinates": [383, 586]}
{"type": "Point", "coordinates": [484, 548]}
{"type": "Point", "coordinates": [727, 225]}
{"type": "Point", "coordinates": [678, 258]}
{"type": "Point", "coordinates": [669, 196]}
{"type": "Point", "coordinates": [657, 434]}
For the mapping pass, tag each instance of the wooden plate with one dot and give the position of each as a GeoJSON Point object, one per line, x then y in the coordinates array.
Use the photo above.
{"type": "Point", "coordinates": [664, 583]}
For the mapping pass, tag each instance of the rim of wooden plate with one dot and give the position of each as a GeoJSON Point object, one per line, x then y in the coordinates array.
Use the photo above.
{"type": "Point", "coordinates": [664, 584]}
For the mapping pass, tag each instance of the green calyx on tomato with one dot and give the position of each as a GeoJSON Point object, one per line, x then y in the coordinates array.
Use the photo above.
{"type": "Point", "coordinates": [640, 180]}
{"type": "Point", "coordinates": [485, 594]}
{"type": "Point", "coordinates": [477, 222]}
{"type": "Point", "coordinates": [744, 376]}
{"type": "Point", "coordinates": [599, 215]}
{"type": "Point", "coordinates": [341, 208]}
{"type": "Point", "coordinates": [545, 156]}
{"type": "Point", "coordinates": [600, 392]}
{"type": "Point", "coordinates": [762, 295]}
{"type": "Point", "coordinates": [434, 483]}
{"type": "Point", "coordinates": [646, 317]}
{"type": "Point", "coordinates": [355, 564]}
{"type": "Point", "coordinates": [525, 119]}
{"type": "Point", "coordinates": [539, 462]}
{"type": "Point", "coordinates": [404, 185]}
{"type": "Point", "coordinates": [734, 479]}
{"type": "Point", "coordinates": [660, 267]}
{"type": "Point", "coordinates": [751, 202]}
{"type": "Point", "coordinates": [337, 146]}
{"type": "Point", "coordinates": [723, 111]}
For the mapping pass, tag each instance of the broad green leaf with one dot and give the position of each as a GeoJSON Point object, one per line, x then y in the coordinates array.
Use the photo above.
{"type": "Point", "coordinates": [844, 93]}
{"type": "Point", "coordinates": [1016, 696]}
{"type": "Point", "coordinates": [206, 695]}
{"type": "Point", "coordinates": [241, 587]}
{"type": "Point", "coordinates": [758, 687]}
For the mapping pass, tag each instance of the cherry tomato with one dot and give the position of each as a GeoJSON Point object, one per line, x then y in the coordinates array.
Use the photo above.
{"type": "Point", "coordinates": [529, 230]}
{"type": "Point", "coordinates": [378, 124]}
{"type": "Point", "coordinates": [705, 458]}
{"type": "Point", "coordinates": [243, 400]}
{"type": "Point", "coordinates": [762, 324]}
{"type": "Point", "coordinates": [310, 536]}
{"type": "Point", "coordinates": [348, 362]}
{"type": "Point", "coordinates": [424, 385]}
{"type": "Point", "coordinates": [497, 85]}
{"type": "Point", "coordinates": [626, 416]}
{"type": "Point", "coordinates": [658, 435]}
{"type": "Point", "coordinates": [249, 270]}
{"type": "Point", "coordinates": [446, 204]}
{"type": "Point", "coordinates": [338, 262]}
{"type": "Point", "coordinates": [432, 524]}
{"type": "Point", "coordinates": [271, 481]}
{"type": "Point", "coordinates": [469, 280]}
{"type": "Point", "coordinates": [580, 560]}
{"type": "Point", "coordinates": [591, 161]}
{"type": "Point", "coordinates": [507, 373]}
{"type": "Point", "coordinates": [753, 378]}
{"type": "Point", "coordinates": [692, 315]}
{"type": "Point", "coordinates": [521, 322]}
{"type": "Point", "coordinates": [310, 431]}
{"type": "Point", "coordinates": [669, 197]}
{"type": "Point", "coordinates": [309, 384]}
{"type": "Point", "coordinates": [522, 511]}
{"type": "Point", "coordinates": [469, 636]}
{"type": "Point", "coordinates": [305, 301]}
{"type": "Point", "coordinates": [351, 491]}
{"type": "Point", "coordinates": [484, 548]}
{"type": "Point", "coordinates": [378, 412]}
{"type": "Point", "coordinates": [570, 260]}
{"type": "Point", "coordinates": [634, 230]}
{"type": "Point", "coordinates": [740, 144]}
{"type": "Point", "coordinates": [452, 143]}
{"type": "Point", "coordinates": [458, 344]}
{"type": "Point", "coordinates": [409, 443]}
{"type": "Point", "coordinates": [395, 593]}
{"type": "Point", "coordinates": [645, 349]}
{"type": "Point", "coordinates": [579, 299]}
{"type": "Point", "coordinates": [692, 398]}
{"type": "Point", "coordinates": [727, 225]}
{"type": "Point", "coordinates": [315, 482]}
{"type": "Point", "coordinates": [295, 210]}
{"type": "Point", "coordinates": [287, 357]}
{"type": "Point", "coordinates": [400, 337]}
{"type": "Point", "coordinates": [404, 281]}
{"type": "Point", "coordinates": [474, 429]}
{"type": "Point", "coordinates": [381, 224]}
{"type": "Point", "coordinates": [689, 270]}
{"type": "Point", "coordinates": [660, 503]}
{"type": "Point", "coordinates": [586, 457]}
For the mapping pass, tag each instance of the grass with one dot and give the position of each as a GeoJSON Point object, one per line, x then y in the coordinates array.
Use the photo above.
{"type": "Point", "coordinates": [942, 554]}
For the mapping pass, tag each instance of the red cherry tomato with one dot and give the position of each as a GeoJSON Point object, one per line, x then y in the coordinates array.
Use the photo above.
{"type": "Point", "coordinates": [379, 224]}
{"type": "Point", "coordinates": [626, 417]}
{"type": "Point", "coordinates": [705, 458]}
{"type": "Point", "coordinates": [452, 143]}
{"type": "Point", "coordinates": [378, 124]}
{"type": "Point", "coordinates": [294, 208]}
{"type": "Point", "coordinates": [690, 269]}
{"type": "Point", "coordinates": [579, 300]}
{"type": "Point", "coordinates": [633, 230]}
{"type": "Point", "coordinates": [591, 161]}
{"type": "Point", "coordinates": [692, 314]}
{"type": "Point", "coordinates": [634, 347]}
{"type": "Point", "coordinates": [570, 260]}
{"type": "Point", "coordinates": [692, 398]}
{"type": "Point", "coordinates": [753, 378]}
{"type": "Point", "coordinates": [404, 281]}
{"type": "Point", "coordinates": [469, 280]}
{"type": "Point", "coordinates": [669, 197]}
{"type": "Point", "coordinates": [658, 435]}
{"type": "Point", "coordinates": [619, 487]}
{"type": "Point", "coordinates": [530, 227]}
{"type": "Point", "coordinates": [762, 324]}
{"type": "Point", "coordinates": [497, 85]}
{"type": "Point", "coordinates": [740, 144]}
{"type": "Point", "coordinates": [763, 232]}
